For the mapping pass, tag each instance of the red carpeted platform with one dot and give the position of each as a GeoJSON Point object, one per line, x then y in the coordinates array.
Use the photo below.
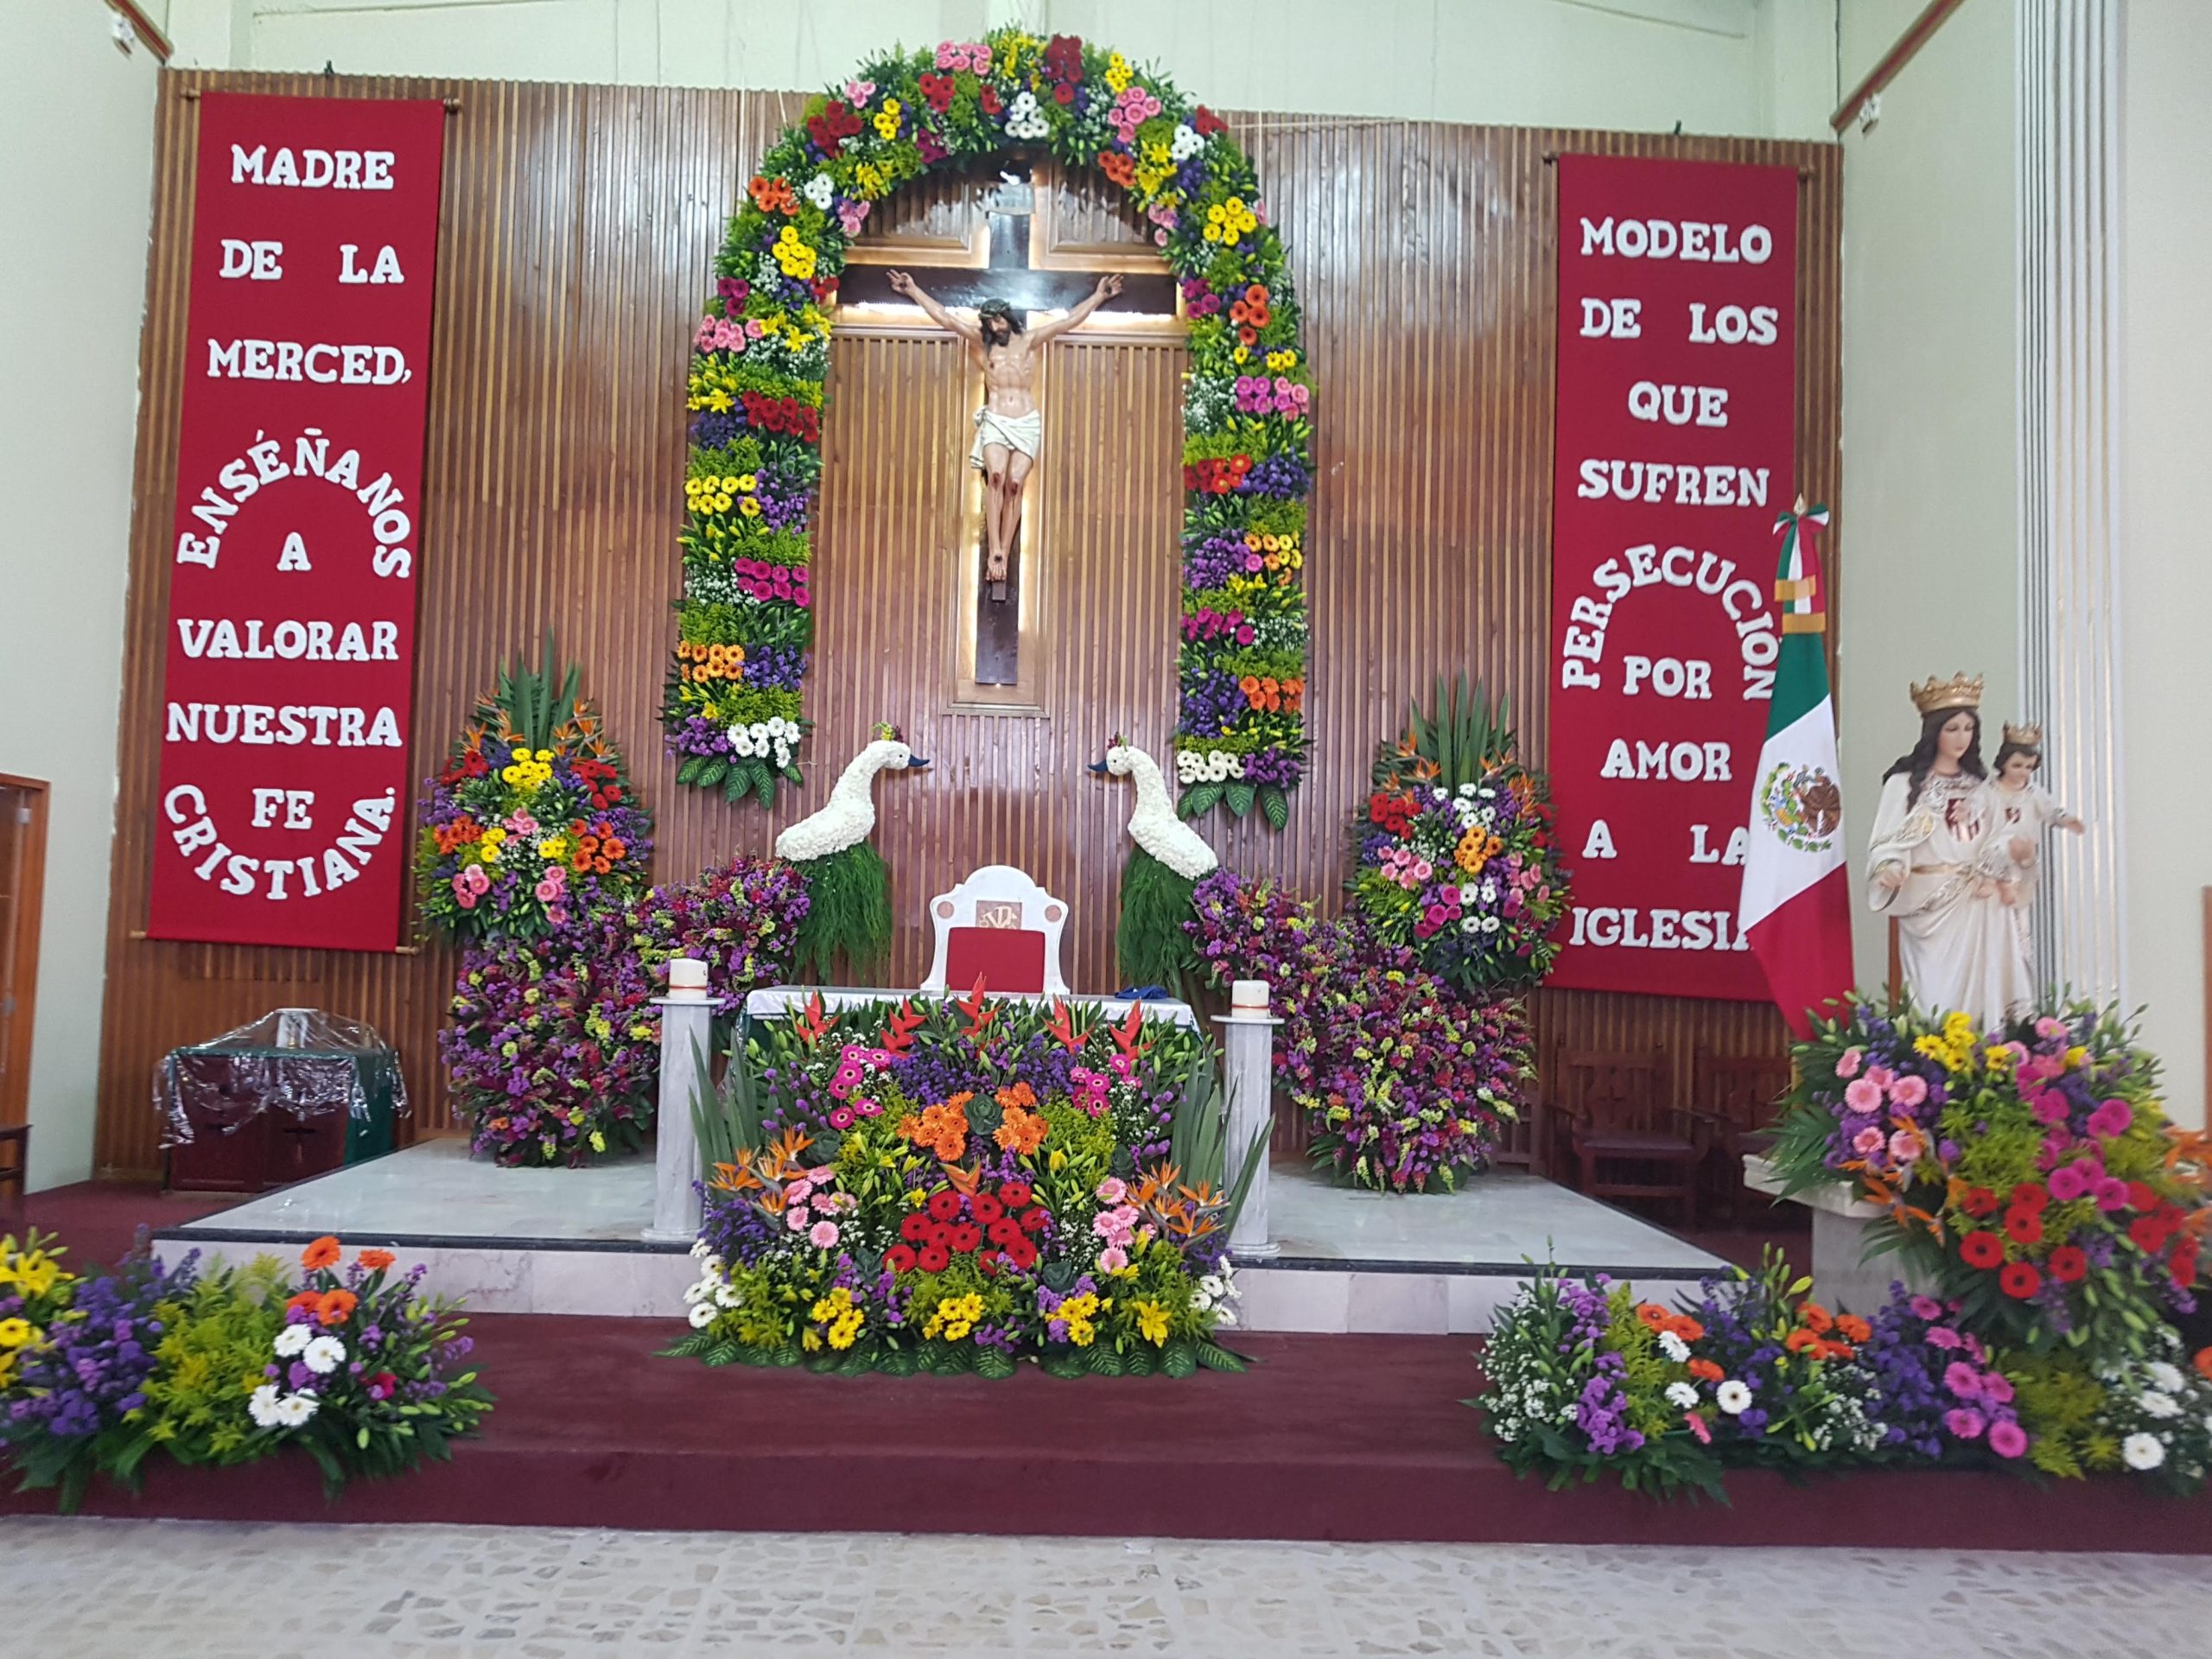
{"type": "Point", "coordinates": [1329, 1437]}
{"type": "Point", "coordinates": [98, 1219]}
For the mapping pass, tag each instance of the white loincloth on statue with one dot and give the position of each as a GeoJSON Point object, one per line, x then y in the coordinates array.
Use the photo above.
{"type": "Point", "coordinates": [1021, 432]}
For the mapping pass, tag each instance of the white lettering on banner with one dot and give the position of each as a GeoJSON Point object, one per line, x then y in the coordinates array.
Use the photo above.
{"type": "Point", "coordinates": [1669, 677]}
{"type": "Point", "coordinates": [1667, 929]}
{"type": "Point", "coordinates": [1684, 762]}
{"type": "Point", "coordinates": [313, 169]}
{"type": "Point", "coordinates": [364, 832]}
{"type": "Point", "coordinates": [287, 359]}
{"type": "Point", "coordinates": [218, 638]}
{"type": "Point", "coordinates": [263, 464]}
{"type": "Point", "coordinates": [1678, 405]}
{"type": "Point", "coordinates": [287, 725]}
{"type": "Point", "coordinates": [256, 261]}
{"type": "Point", "coordinates": [1611, 319]}
{"type": "Point", "coordinates": [1583, 645]}
{"type": "Point", "coordinates": [1740, 841]}
{"type": "Point", "coordinates": [1694, 485]}
{"type": "Point", "coordinates": [1688, 239]}
{"type": "Point", "coordinates": [387, 265]}
{"type": "Point", "coordinates": [1731, 326]}
{"type": "Point", "coordinates": [296, 803]}
{"type": "Point", "coordinates": [1599, 842]}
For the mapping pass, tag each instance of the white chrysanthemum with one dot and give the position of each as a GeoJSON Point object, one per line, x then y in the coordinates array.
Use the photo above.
{"type": "Point", "coordinates": [701, 1316]}
{"type": "Point", "coordinates": [849, 816]}
{"type": "Point", "coordinates": [262, 1407]}
{"type": "Point", "coordinates": [2155, 1404]}
{"type": "Point", "coordinates": [2167, 1377]}
{"type": "Point", "coordinates": [1732, 1396]}
{"type": "Point", "coordinates": [291, 1339]}
{"type": "Point", "coordinates": [323, 1355]}
{"type": "Point", "coordinates": [1186, 143]}
{"type": "Point", "coordinates": [294, 1409]}
{"type": "Point", "coordinates": [740, 739]}
{"type": "Point", "coordinates": [1673, 1347]}
{"type": "Point", "coordinates": [820, 191]}
{"type": "Point", "coordinates": [1682, 1394]}
{"type": "Point", "coordinates": [2143, 1452]}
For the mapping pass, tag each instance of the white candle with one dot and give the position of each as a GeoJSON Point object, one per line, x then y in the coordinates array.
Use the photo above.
{"type": "Point", "coordinates": [1247, 999]}
{"type": "Point", "coordinates": [687, 980]}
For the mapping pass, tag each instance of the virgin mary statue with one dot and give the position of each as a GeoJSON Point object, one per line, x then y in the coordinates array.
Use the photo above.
{"type": "Point", "coordinates": [1937, 858]}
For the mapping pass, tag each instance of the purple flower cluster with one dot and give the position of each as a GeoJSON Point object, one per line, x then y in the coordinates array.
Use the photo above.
{"type": "Point", "coordinates": [1601, 1410]}
{"type": "Point", "coordinates": [1935, 1387]}
{"type": "Point", "coordinates": [1209, 564]}
{"type": "Point", "coordinates": [771, 668]}
{"type": "Point", "coordinates": [1211, 702]}
{"type": "Point", "coordinates": [92, 1368]}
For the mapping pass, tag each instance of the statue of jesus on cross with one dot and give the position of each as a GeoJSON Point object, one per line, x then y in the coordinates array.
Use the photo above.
{"type": "Point", "coordinates": [1009, 426]}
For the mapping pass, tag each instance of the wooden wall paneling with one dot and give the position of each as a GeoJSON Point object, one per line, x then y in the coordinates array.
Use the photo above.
{"type": "Point", "coordinates": [579, 229]}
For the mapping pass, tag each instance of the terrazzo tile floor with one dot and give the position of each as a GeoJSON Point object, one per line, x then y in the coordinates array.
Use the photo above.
{"type": "Point", "coordinates": [81, 1589]}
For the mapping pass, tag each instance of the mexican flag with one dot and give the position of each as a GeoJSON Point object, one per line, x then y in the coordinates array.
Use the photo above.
{"type": "Point", "coordinates": [1796, 900]}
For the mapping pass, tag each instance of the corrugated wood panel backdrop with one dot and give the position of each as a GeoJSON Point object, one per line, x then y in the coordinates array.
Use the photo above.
{"type": "Point", "coordinates": [578, 224]}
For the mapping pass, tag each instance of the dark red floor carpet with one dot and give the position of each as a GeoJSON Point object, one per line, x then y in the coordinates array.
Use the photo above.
{"type": "Point", "coordinates": [1354, 1437]}
{"type": "Point", "coordinates": [98, 1219]}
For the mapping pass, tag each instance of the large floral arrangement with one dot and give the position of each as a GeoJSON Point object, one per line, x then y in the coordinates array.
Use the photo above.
{"type": "Point", "coordinates": [733, 708]}
{"type": "Point", "coordinates": [350, 1364]}
{"type": "Point", "coordinates": [1583, 1379]}
{"type": "Point", "coordinates": [1405, 1080]}
{"type": "Point", "coordinates": [2029, 1173]}
{"type": "Point", "coordinates": [554, 1049]}
{"type": "Point", "coordinates": [960, 1185]}
{"type": "Point", "coordinates": [531, 821]}
{"type": "Point", "coordinates": [1454, 853]}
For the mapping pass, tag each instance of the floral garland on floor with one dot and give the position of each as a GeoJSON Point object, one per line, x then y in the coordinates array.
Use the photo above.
{"type": "Point", "coordinates": [1583, 1380]}
{"type": "Point", "coordinates": [554, 1048]}
{"type": "Point", "coordinates": [761, 353]}
{"type": "Point", "coordinates": [959, 1186]}
{"type": "Point", "coordinates": [353, 1366]}
{"type": "Point", "coordinates": [531, 822]}
{"type": "Point", "coordinates": [1405, 1081]}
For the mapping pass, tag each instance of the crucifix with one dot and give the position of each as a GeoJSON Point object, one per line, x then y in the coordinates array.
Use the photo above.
{"type": "Point", "coordinates": [1005, 345]}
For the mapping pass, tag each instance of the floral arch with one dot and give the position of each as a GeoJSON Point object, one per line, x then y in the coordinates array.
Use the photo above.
{"type": "Point", "coordinates": [733, 711]}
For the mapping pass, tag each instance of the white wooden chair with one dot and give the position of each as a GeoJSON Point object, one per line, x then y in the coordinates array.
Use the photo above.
{"type": "Point", "coordinates": [1001, 927]}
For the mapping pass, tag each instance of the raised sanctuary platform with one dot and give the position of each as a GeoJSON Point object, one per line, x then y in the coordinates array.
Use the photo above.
{"type": "Point", "coordinates": [567, 1241]}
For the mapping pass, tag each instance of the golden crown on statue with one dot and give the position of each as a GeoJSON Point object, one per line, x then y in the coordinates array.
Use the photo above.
{"type": "Point", "coordinates": [1959, 692]}
{"type": "Point", "coordinates": [2028, 737]}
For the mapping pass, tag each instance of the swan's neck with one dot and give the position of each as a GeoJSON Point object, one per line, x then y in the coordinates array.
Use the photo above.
{"type": "Point", "coordinates": [855, 786]}
{"type": "Point", "coordinates": [1151, 788]}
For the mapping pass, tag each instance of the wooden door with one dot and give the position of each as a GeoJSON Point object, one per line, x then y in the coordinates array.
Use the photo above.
{"type": "Point", "coordinates": [22, 883]}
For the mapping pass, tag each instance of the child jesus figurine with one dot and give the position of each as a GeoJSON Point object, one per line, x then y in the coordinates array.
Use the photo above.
{"type": "Point", "coordinates": [2024, 811]}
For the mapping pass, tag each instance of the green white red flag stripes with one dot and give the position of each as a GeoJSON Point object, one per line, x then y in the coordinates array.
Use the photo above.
{"type": "Point", "coordinates": [1796, 902]}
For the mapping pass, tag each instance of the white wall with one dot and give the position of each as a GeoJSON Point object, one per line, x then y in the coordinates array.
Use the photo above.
{"type": "Point", "coordinates": [1929, 515]}
{"type": "Point", "coordinates": [76, 198]}
{"type": "Point", "coordinates": [1762, 67]}
{"type": "Point", "coordinates": [2166, 572]}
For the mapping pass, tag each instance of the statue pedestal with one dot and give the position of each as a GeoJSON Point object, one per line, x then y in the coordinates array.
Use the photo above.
{"type": "Point", "coordinates": [1843, 1278]}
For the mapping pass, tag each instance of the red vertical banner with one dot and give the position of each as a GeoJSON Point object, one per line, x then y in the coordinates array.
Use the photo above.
{"type": "Point", "coordinates": [291, 643]}
{"type": "Point", "coordinates": [1675, 442]}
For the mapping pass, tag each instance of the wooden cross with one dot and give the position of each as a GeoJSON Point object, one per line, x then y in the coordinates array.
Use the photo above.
{"type": "Point", "coordinates": [1010, 276]}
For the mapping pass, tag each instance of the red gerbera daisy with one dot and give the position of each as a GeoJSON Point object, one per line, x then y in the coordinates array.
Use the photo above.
{"type": "Point", "coordinates": [1979, 1202]}
{"type": "Point", "coordinates": [2020, 1279]}
{"type": "Point", "coordinates": [1981, 1249]}
{"type": "Point", "coordinates": [2067, 1263]}
{"type": "Point", "coordinates": [2023, 1226]}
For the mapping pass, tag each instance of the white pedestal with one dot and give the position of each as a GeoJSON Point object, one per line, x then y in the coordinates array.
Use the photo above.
{"type": "Point", "coordinates": [1843, 1278]}
{"type": "Point", "coordinates": [686, 1028]}
{"type": "Point", "coordinates": [1247, 1047]}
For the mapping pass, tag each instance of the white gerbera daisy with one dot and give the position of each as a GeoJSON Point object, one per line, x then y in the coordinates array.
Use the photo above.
{"type": "Point", "coordinates": [693, 1293]}
{"type": "Point", "coordinates": [2155, 1404]}
{"type": "Point", "coordinates": [1673, 1347]}
{"type": "Point", "coordinates": [2143, 1452]}
{"type": "Point", "coordinates": [2167, 1377]}
{"type": "Point", "coordinates": [294, 1410]}
{"type": "Point", "coordinates": [1732, 1396]}
{"type": "Point", "coordinates": [323, 1355]}
{"type": "Point", "coordinates": [291, 1339]}
{"type": "Point", "coordinates": [1682, 1394]}
{"type": "Point", "coordinates": [702, 1315]}
{"type": "Point", "coordinates": [262, 1407]}
{"type": "Point", "coordinates": [821, 191]}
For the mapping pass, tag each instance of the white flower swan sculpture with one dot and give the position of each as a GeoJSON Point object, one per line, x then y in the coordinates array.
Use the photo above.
{"type": "Point", "coordinates": [847, 886]}
{"type": "Point", "coordinates": [1166, 863]}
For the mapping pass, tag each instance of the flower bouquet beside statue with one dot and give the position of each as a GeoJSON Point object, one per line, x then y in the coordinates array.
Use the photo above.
{"type": "Point", "coordinates": [531, 821]}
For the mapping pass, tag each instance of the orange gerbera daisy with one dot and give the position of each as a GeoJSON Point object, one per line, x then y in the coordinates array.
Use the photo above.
{"type": "Point", "coordinates": [1851, 1328]}
{"type": "Point", "coordinates": [1707, 1370]}
{"type": "Point", "coordinates": [2204, 1364]}
{"type": "Point", "coordinates": [1020, 1132]}
{"type": "Point", "coordinates": [1653, 1315]}
{"type": "Point", "coordinates": [1817, 1319]}
{"type": "Point", "coordinates": [323, 1253]}
{"type": "Point", "coordinates": [335, 1307]}
{"type": "Point", "coordinates": [375, 1261]}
